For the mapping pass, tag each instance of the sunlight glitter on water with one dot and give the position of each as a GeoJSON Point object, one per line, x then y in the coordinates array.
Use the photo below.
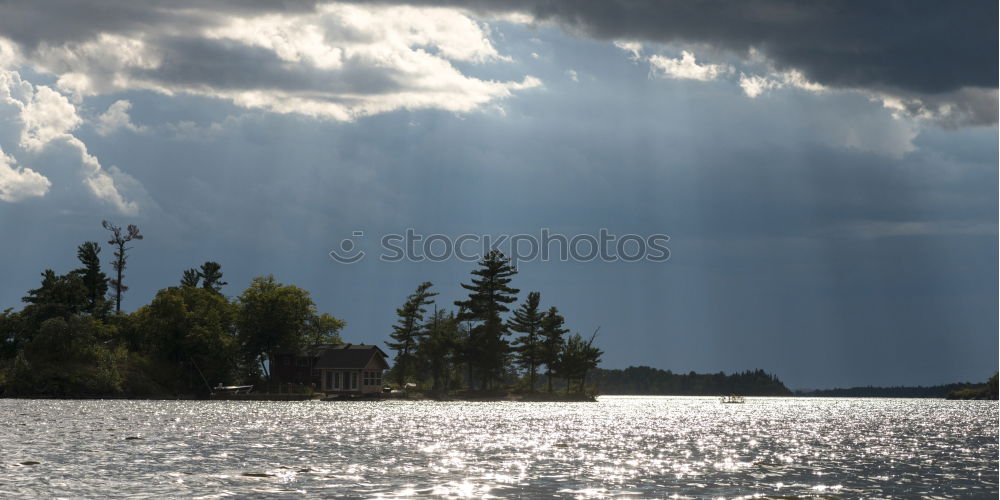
{"type": "Point", "coordinates": [619, 446]}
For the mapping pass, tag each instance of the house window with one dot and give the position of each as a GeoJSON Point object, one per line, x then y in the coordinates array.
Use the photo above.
{"type": "Point", "coordinates": [302, 362]}
{"type": "Point", "coordinates": [373, 378]}
{"type": "Point", "coordinates": [286, 360]}
{"type": "Point", "coordinates": [329, 380]}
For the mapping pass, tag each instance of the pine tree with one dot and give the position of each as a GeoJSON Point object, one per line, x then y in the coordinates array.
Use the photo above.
{"type": "Point", "coordinates": [119, 239]}
{"type": "Point", "coordinates": [211, 277]}
{"type": "Point", "coordinates": [190, 278]}
{"type": "Point", "coordinates": [407, 331]}
{"type": "Point", "coordinates": [439, 347]}
{"type": "Point", "coordinates": [528, 320]}
{"type": "Point", "coordinates": [552, 342]}
{"type": "Point", "coordinates": [489, 295]}
{"type": "Point", "coordinates": [93, 279]}
{"type": "Point", "coordinates": [576, 358]}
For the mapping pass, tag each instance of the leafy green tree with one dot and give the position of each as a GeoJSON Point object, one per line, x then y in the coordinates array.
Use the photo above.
{"type": "Point", "coordinates": [408, 330]}
{"type": "Point", "coordinates": [190, 278]}
{"type": "Point", "coordinates": [211, 276]}
{"type": "Point", "coordinates": [120, 238]}
{"type": "Point", "coordinates": [324, 329]}
{"type": "Point", "coordinates": [552, 342]}
{"type": "Point", "coordinates": [527, 320]}
{"type": "Point", "coordinates": [273, 317]}
{"type": "Point", "coordinates": [576, 358]}
{"type": "Point", "coordinates": [68, 356]}
{"type": "Point", "coordinates": [489, 294]}
{"type": "Point", "coordinates": [12, 333]}
{"type": "Point", "coordinates": [194, 330]}
{"type": "Point", "coordinates": [93, 279]}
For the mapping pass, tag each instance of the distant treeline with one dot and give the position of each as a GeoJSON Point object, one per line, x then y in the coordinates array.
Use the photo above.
{"type": "Point", "coordinates": [934, 391]}
{"type": "Point", "coordinates": [989, 390]}
{"type": "Point", "coordinates": [643, 380]}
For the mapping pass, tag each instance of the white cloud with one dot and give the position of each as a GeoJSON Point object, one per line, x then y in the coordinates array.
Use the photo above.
{"type": "Point", "coordinates": [104, 64]}
{"type": "Point", "coordinates": [18, 183]}
{"type": "Point", "coordinates": [9, 53]}
{"type": "Point", "coordinates": [966, 106]}
{"type": "Point", "coordinates": [755, 85]}
{"type": "Point", "coordinates": [104, 184]}
{"type": "Point", "coordinates": [685, 68]}
{"type": "Point", "coordinates": [115, 118]}
{"type": "Point", "coordinates": [338, 61]}
{"type": "Point", "coordinates": [48, 115]}
{"type": "Point", "coordinates": [44, 120]}
{"type": "Point", "coordinates": [571, 73]}
{"type": "Point", "coordinates": [633, 48]}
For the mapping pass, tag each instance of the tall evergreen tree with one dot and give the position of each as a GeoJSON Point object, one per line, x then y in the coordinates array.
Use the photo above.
{"type": "Point", "coordinates": [407, 331]}
{"type": "Point", "coordinates": [211, 276]}
{"type": "Point", "coordinates": [60, 296]}
{"type": "Point", "coordinates": [438, 349]}
{"type": "Point", "coordinates": [120, 238]}
{"type": "Point", "coordinates": [489, 295]}
{"type": "Point", "coordinates": [93, 279]}
{"type": "Point", "coordinates": [528, 321]}
{"type": "Point", "coordinates": [552, 341]}
{"type": "Point", "coordinates": [191, 278]}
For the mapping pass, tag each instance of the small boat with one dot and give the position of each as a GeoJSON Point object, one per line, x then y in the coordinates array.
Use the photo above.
{"type": "Point", "coordinates": [732, 399]}
{"type": "Point", "coordinates": [230, 390]}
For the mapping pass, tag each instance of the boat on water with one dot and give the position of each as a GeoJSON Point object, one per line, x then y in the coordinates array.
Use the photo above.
{"type": "Point", "coordinates": [231, 390]}
{"type": "Point", "coordinates": [732, 399]}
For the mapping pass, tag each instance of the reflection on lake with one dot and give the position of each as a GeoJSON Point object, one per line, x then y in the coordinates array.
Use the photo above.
{"type": "Point", "coordinates": [641, 446]}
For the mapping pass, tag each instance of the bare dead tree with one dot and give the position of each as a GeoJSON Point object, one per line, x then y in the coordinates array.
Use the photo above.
{"type": "Point", "coordinates": [119, 239]}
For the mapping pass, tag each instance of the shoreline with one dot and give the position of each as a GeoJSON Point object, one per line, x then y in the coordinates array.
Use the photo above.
{"type": "Point", "coordinates": [524, 398]}
{"type": "Point", "coordinates": [470, 397]}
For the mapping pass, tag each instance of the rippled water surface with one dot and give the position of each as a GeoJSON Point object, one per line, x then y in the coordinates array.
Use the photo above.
{"type": "Point", "coordinates": [619, 446]}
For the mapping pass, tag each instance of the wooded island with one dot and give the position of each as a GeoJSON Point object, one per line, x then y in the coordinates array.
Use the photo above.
{"type": "Point", "coordinates": [71, 339]}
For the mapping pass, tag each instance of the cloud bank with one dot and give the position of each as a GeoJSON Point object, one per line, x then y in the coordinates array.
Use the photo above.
{"type": "Point", "coordinates": [937, 58]}
{"type": "Point", "coordinates": [329, 61]}
{"type": "Point", "coordinates": [335, 61]}
{"type": "Point", "coordinates": [42, 121]}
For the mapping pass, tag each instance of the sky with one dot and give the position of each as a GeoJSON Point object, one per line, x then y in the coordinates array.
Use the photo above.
{"type": "Point", "coordinates": [826, 171]}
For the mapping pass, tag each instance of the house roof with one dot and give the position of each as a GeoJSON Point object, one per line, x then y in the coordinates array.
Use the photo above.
{"type": "Point", "coordinates": [349, 356]}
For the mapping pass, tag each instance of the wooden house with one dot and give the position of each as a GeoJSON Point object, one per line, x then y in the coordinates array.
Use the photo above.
{"type": "Point", "coordinates": [337, 369]}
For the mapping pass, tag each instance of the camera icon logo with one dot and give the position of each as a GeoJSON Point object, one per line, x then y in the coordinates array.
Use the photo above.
{"type": "Point", "coordinates": [348, 253]}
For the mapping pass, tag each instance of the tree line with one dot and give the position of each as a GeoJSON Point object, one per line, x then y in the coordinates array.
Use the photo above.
{"type": "Point", "coordinates": [72, 339]}
{"type": "Point", "coordinates": [652, 381]}
{"type": "Point", "coordinates": [471, 346]}
{"type": "Point", "coordinates": [952, 391]}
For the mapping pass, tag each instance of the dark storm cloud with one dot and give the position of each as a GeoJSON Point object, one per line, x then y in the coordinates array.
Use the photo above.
{"type": "Point", "coordinates": [926, 46]}
{"type": "Point", "coordinates": [60, 21]}
{"type": "Point", "coordinates": [228, 65]}
{"type": "Point", "coordinates": [935, 60]}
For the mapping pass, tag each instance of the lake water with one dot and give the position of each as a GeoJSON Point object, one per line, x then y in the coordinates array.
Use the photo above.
{"type": "Point", "coordinates": [619, 446]}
